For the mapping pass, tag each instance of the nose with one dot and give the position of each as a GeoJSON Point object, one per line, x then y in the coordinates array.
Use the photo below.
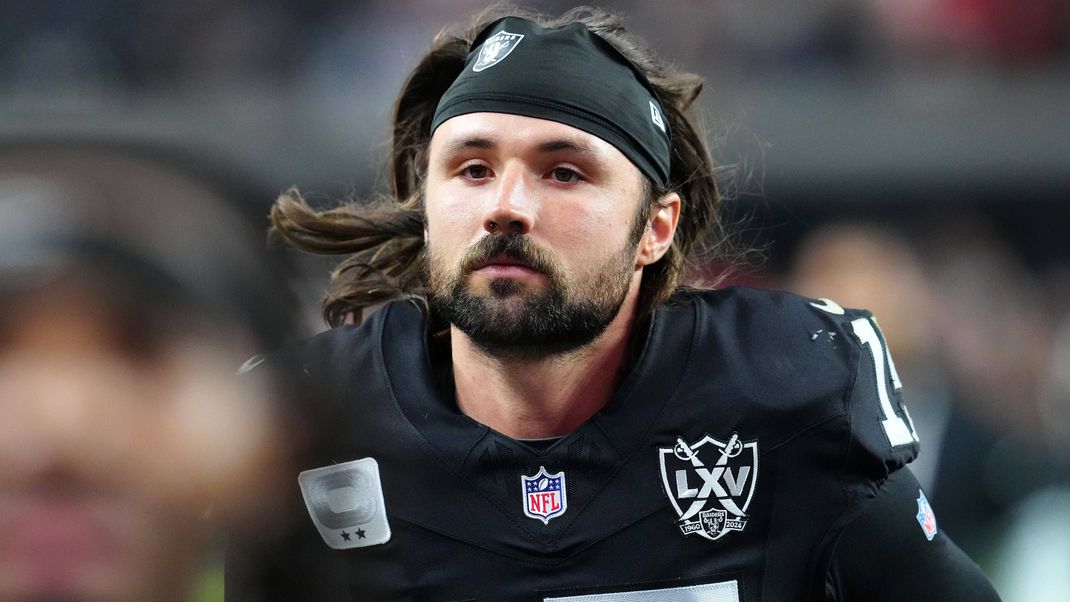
{"type": "Point", "coordinates": [513, 208]}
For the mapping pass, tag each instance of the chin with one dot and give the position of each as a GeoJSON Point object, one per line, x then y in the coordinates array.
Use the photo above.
{"type": "Point", "coordinates": [506, 288]}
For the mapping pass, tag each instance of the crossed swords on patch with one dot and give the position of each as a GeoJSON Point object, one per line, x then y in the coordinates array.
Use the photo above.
{"type": "Point", "coordinates": [730, 450]}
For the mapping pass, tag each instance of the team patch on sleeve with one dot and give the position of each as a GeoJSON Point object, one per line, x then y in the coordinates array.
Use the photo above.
{"type": "Point", "coordinates": [926, 517]}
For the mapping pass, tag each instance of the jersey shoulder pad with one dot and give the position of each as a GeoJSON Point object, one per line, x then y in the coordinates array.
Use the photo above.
{"type": "Point", "coordinates": [814, 359]}
{"type": "Point", "coordinates": [782, 351]}
{"type": "Point", "coordinates": [319, 371]}
{"type": "Point", "coordinates": [881, 426]}
{"type": "Point", "coordinates": [882, 433]}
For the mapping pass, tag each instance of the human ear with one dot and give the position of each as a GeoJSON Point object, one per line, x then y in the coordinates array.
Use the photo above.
{"type": "Point", "coordinates": [658, 236]}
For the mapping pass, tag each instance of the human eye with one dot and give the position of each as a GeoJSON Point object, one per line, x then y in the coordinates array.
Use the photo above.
{"type": "Point", "coordinates": [475, 171]}
{"type": "Point", "coordinates": [565, 175]}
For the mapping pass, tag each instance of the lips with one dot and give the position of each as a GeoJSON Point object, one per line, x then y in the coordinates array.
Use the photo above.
{"type": "Point", "coordinates": [506, 256]}
{"type": "Point", "coordinates": [504, 261]}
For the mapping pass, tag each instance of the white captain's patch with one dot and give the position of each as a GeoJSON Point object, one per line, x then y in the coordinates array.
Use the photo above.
{"type": "Point", "coordinates": [723, 591]}
{"type": "Point", "coordinates": [345, 502]}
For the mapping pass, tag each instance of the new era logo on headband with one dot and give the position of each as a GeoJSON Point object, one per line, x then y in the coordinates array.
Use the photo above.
{"type": "Point", "coordinates": [495, 49]}
{"type": "Point", "coordinates": [655, 116]}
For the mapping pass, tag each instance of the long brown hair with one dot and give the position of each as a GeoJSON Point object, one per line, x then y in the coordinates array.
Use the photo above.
{"type": "Point", "coordinates": [384, 237]}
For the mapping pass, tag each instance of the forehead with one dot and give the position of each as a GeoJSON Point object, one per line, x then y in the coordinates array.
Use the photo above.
{"type": "Point", "coordinates": [521, 133]}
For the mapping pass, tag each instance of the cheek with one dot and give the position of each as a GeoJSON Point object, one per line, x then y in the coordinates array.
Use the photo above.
{"type": "Point", "coordinates": [452, 218]}
{"type": "Point", "coordinates": [588, 229]}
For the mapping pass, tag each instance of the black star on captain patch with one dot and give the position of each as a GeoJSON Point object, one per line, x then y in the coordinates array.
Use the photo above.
{"type": "Point", "coordinates": [360, 534]}
{"type": "Point", "coordinates": [345, 536]}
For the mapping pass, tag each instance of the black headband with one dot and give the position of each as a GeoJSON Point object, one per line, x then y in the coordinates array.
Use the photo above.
{"type": "Point", "coordinates": [568, 75]}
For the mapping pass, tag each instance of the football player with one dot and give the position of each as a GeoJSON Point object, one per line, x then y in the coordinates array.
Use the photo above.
{"type": "Point", "coordinates": [541, 410]}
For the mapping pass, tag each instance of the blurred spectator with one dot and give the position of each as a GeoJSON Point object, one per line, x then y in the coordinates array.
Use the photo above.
{"type": "Point", "coordinates": [956, 327]}
{"type": "Point", "coordinates": [1034, 559]}
{"type": "Point", "coordinates": [130, 293]}
{"type": "Point", "coordinates": [1055, 390]}
{"type": "Point", "coordinates": [994, 322]}
{"type": "Point", "coordinates": [864, 265]}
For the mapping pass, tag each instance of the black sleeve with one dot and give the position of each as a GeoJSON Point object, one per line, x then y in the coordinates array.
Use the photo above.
{"type": "Point", "coordinates": [886, 555]}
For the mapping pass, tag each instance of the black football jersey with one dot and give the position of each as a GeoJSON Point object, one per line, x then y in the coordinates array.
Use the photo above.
{"type": "Point", "coordinates": [753, 428]}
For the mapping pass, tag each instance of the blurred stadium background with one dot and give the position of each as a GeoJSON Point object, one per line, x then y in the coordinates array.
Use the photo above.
{"type": "Point", "coordinates": [911, 156]}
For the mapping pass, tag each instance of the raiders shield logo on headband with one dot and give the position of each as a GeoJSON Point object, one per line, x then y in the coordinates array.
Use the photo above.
{"type": "Point", "coordinates": [496, 48]}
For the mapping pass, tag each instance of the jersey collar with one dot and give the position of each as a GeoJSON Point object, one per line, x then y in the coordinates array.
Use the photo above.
{"type": "Point", "coordinates": [625, 420]}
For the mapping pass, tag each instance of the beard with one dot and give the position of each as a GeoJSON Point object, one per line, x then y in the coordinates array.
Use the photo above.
{"type": "Point", "coordinates": [510, 320]}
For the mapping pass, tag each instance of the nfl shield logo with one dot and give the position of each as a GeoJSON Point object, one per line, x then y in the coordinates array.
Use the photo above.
{"type": "Point", "coordinates": [926, 517]}
{"type": "Point", "coordinates": [544, 495]}
{"type": "Point", "coordinates": [495, 49]}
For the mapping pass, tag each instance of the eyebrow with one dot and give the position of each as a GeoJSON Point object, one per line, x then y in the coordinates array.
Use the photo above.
{"type": "Point", "coordinates": [550, 146]}
{"type": "Point", "coordinates": [554, 146]}
{"type": "Point", "coordinates": [467, 143]}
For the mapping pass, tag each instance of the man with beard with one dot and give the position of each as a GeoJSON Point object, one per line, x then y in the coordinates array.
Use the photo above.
{"type": "Point", "coordinates": [541, 411]}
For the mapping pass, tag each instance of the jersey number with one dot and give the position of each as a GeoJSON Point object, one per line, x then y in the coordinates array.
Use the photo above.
{"type": "Point", "coordinates": [898, 431]}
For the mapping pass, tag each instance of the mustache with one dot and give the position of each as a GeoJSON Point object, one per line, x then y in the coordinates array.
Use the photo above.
{"type": "Point", "coordinates": [516, 246]}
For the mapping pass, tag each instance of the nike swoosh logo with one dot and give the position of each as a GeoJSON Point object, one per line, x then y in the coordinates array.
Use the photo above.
{"type": "Point", "coordinates": [828, 305]}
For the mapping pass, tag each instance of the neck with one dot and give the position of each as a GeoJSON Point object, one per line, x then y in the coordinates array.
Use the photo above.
{"type": "Point", "coordinates": [548, 397]}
